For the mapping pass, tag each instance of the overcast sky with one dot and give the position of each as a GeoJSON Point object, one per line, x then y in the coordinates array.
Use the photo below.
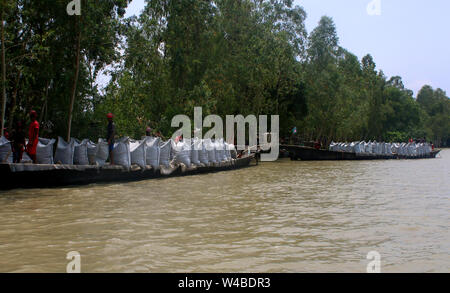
{"type": "Point", "coordinates": [410, 38]}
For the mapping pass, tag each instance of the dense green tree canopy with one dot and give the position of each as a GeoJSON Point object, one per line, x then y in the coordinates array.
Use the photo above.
{"type": "Point", "coordinates": [230, 57]}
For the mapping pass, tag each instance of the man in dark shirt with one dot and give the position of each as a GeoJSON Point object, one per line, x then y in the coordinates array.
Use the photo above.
{"type": "Point", "coordinates": [111, 133]}
{"type": "Point", "coordinates": [18, 142]}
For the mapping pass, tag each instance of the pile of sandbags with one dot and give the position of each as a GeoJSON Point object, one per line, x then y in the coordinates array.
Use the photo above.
{"type": "Point", "coordinates": [382, 148]}
{"type": "Point", "coordinates": [149, 151]}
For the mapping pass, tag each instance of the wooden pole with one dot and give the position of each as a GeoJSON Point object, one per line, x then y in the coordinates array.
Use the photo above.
{"type": "Point", "coordinates": [3, 73]}
{"type": "Point", "coordinates": [74, 86]}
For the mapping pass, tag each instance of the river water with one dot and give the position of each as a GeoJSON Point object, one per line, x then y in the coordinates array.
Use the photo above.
{"type": "Point", "coordinates": [276, 217]}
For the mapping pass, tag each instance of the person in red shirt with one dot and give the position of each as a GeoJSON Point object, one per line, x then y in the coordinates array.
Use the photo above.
{"type": "Point", "coordinates": [33, 136]}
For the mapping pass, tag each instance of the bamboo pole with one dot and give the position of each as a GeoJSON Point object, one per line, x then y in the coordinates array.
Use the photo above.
{"type": "Point", "coordinates": [3, 74]}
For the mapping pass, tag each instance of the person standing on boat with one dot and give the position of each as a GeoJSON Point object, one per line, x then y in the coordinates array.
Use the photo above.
{"type": "Point", "coordinates": [18, 142]}
{"type": "Point", "coordinates": [317, 145]}
{"type": "Point", "coordinates": [33, 136]}
{"type": "Point", "coordinates": [111, 133]}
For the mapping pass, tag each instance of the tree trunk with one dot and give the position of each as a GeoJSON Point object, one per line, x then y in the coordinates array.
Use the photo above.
{"type": "Point", "coordinates": [74, 86]}
{"type": "Point", "coordinates": [14, 102]}
{"type": "Point", "coordinates": [3, 75]}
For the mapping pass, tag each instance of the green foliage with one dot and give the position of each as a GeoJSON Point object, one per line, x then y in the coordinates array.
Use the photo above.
{"type": "Point", "coordinates": [229, 57]}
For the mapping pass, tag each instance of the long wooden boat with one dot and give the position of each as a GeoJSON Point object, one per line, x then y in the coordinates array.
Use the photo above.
{"type": "Point", "coordinates": [311, 154]}
{"type": "Point", "coordinates": [56, 175]}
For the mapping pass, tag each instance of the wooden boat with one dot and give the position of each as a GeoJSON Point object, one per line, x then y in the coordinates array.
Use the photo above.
{"type": "Point", "coordinates": [56, 175]}
{"type": "Point", "coordinates": [311, 154]}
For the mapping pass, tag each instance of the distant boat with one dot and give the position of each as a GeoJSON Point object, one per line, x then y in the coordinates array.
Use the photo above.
{"type": "Point", "coordinates": [312, 154]}
{"type": "Point", "coordinates": [56, 175]}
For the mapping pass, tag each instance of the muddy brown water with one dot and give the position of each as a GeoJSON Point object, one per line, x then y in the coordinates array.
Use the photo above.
{"type": "Point", "coordinates": [276, 217]}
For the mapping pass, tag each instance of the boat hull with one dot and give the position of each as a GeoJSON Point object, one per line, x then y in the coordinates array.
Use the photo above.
{"type": "Point", "coordinates": [41, 176]}
{"type": "Point", "coordinates": [312, 154]}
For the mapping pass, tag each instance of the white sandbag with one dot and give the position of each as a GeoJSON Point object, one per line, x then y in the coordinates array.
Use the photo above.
{"type": "Point", "coordinates": [196, 149]}
{"type": "Point", "coordinates": [402, 150]}
{"type": "Point", "coordinates": [5, 150]}
{"type": "Point", "coordinates": [368, 147]}
{"type": "Point", "coordinates": [137, 153]}
{"type": "Point", "coordinates": [64, 152]}
{"type": "Point", "coordinates": [101, 152]}
{"type": "Point", "coordinates": [80, 155]}
{"type": "Point", "coordinates": [429, 149]}
{"type": "Point", "coordinates": [333, 146]}
{"type": "Point", "coordinates": [351, 148]}
{"type": "Point", "coordinates": [219, 150]}
{"type": "Point", "coordinates": [359, 147]}
{"type": "Point", "coordinates": [374, 147]}
{"type": "Point", "coordinates": [227, 151]}
{"type": "Point", "coordinates": [165, 153]}
{"type": "Point", "coordinates": [224, 150]}
{"type": "Point", "coordinates": [232, 150]}
{"type": "Point", "coordinates": [387, 149]}
{"type": "Point", "coordinates": [26, 158]}
{"type": "Point", "coordinates": [394, 148]}
{"type": "Point", "coordinates": [44, 151]}
{"type": "Point", "coordinates": [210, 148]}
{"type": "Point", "coordinates": [121, 152]}
{"type": "Point", "coordinates": [92, 152]}
{"type": "Point", "coordinates": [413, 149]}
{"type": "Point", "coordinates": [152, 151]}
{"type": "Point", "coordinates": [181, 152]}
{"type": "Point", "coordinates": [203, 154]}
{"type": "Point", "coordinates": [377, 148]}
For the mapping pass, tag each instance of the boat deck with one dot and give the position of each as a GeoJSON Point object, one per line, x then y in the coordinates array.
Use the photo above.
{"type": "Point", "coordinates": [55, 175]}
{"type": "Point", "coordinates": [311, 154]}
